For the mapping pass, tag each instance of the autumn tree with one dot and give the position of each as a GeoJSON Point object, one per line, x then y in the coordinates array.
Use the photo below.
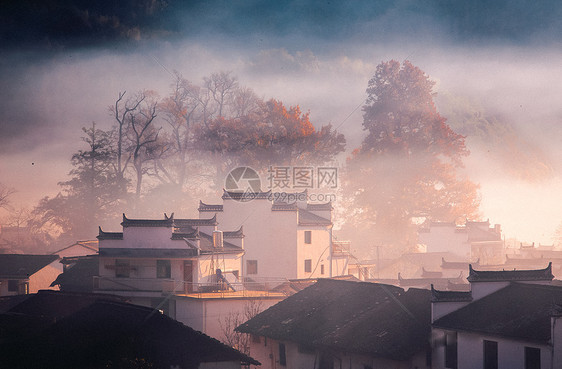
{"type": "Point", "coordinates": [90, 196]}
{"type": "Point", "coordinates": [406, 168]}
{"type": "Point", "coordinates": [269, 134]}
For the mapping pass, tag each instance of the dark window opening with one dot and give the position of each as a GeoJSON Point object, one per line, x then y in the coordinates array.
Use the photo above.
{"type": "Point", "coordinates": [308, 237]}
{"type": "Point", "coordinates": [532, 358]}
{"type": "Point", "coordinates": [490, 354]}
{"type": "Point", "coordinates": [322, 269]}
{"type": "Point", "coordinates": [282, 355]}
{"type": "Point", "coordinates": [163, 269]}
{"type": "Point", "coordinates": [308, 266]}
{"type": "Point", "coordinates": [251, 267]}
{"type": "Point", "coordinates": [451, 350]}
{"type": "Point", "coordinates": [122, 268]}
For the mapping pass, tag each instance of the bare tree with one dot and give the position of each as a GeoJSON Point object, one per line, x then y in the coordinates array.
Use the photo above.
{"type": "Point", "coordinates": [222, 87]}
{"type": "Point", "coordinates": [240, 341]}
{"type": "Point", "coordinates": [5, 193]}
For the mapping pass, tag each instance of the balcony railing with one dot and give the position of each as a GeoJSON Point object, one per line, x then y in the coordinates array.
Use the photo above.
{"type": "Point", "coordinates": [341, 248]}
{"type": "Point", "coordinates": [178, 287]}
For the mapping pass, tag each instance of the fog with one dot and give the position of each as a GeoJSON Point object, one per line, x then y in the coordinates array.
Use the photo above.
{"type": "Point", "coordinates": [321, 61]}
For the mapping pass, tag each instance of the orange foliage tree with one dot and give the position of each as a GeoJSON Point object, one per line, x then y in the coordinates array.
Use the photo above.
{"type": "Point", "coordinates": [406, 168]}
{"type": "Point", "coordinates": [270, 135]}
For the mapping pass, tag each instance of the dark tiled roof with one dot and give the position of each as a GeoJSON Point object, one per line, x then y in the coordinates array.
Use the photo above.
{"type": "Point", "coordinates": [511, 275]}
{"type": "Point", "coordinates": [358, 317]}
{"type": "Point", "coordinates": [56, 304]}
{"type": "Point", "coordinates": [209, 208]}
{"type": "Point", "coordinates": [79, 276]}
{"type": "Point", "coordinates": [166, 222]}
{"type": "Point", "coordinates": [308, 218]}
{"type": "Point", "coordinates": [147, 253]}
{"type": "Point", "coordinates": [182, 223]}
{"type": "Point", "coordinates": [450, 296]}
{"type": "Point", "coordinates": [246, 196]}
{"type": "Point", "coordinates": [206, 244]}
{"type": "Point", "coordinates": [518, 311]}
{"type": "Point", "coordinates": [18, 266]}
{"type": "Point", "coordinates": [190, 234]}
{"type": "Point", "coordinates": [109, 235]}
{"type": "Point", "coordinates": [234, 234]}
{"type": "Point", "coordinates": [108, 331]}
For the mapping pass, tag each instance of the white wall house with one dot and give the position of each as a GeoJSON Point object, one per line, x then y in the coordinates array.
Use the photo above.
{"type": "Point", "coordinates": [510, 319]}
{"type": "Point", "coordinates": [284, 239]}
{"type": "Point", "coordinates": [23, 273]}
{"type": "Point", "coordinates": [474, 240]}
{"type": "Point", "coordinates": [185, 267]}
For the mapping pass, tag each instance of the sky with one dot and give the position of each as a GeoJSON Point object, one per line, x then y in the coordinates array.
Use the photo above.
{"type": "Point", "coordinates": [62, 63]}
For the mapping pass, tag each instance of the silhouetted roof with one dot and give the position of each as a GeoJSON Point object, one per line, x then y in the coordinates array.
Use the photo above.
{"type": "Point", "coordinates": [189, 233]}
{"type": "Point", "coordinates": [109, 235]}
{"type": "Point", "coordinates": [78, 276]}
{"type": "Point", "coordinates": [206, 244]}
{"type": "Point", "coordinates": [108, 331]}
{"type": "Point", "coordinates": [359, 317]}
{"type": "Point", "coordinates": [450, 296]}
{"type": "Point", "coordinates": [19, 266]}
{"type": "Point", "coordinates": [511, 275]}
{"type": "Point", "coordinates": [239, 233]}
{"type": "Point", "coordinates": [209, 208]}
{"type": "Point", "coordinates": [196, 222]}
{"type": "Point", "coordinates": [518, 311]}
{"type": "Point", "coordinates": [166, 222]}
{"type": "Point", "coordinates": [58, 304]}
{"type": "Point", "coordinates": [246, 196]}
{"type": "Point", "coordinates": [308, 218]}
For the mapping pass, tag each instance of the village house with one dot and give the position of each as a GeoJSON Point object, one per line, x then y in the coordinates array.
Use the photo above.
{"type": "Point", "coordinates": [23, 274]}
{"type": "Point", "coordinates": [344, 324]}
{"type": "Point", "coordinates": [509, 319]}
{"type": "Point", "coordinates": [474, 240]}
{"type": "Point", "coordinates": [298, 233]}
{"type": "Point", "coordinates": [185, 267]}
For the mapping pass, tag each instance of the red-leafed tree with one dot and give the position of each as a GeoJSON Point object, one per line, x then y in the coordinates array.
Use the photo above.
{"type": "Point", "coordinates": [406, 169]}
{"type": "Point", "coordinates": [270, 134]}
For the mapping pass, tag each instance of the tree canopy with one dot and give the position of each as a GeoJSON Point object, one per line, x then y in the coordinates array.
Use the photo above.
{"type": "Point", "coordinates": [407, 167]}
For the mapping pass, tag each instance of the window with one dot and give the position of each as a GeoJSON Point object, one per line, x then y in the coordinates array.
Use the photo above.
{"type": "Point", "coordinates": [308, 266]}
{"type": "Point", "coordinates": [122, 268]}
{"type": "Point", "coordinates": [282, 355]}
{"type": "Point", "coordinates": [532, 358]}
{"type": "Point", "coordinates": [163, 269]}
{"type": "Point", "coordinates": [322, 269]}
{"type": "Point", "coordinates": [451, 350]}
{"type": "Point", "coordinates": [251, 267]}
{"type": "Point", "coordinates": [308, 237]}
{"type": "Point", "coordinates": [490, 354]}
{"type": "Point", "coordinates": [13, 285]}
